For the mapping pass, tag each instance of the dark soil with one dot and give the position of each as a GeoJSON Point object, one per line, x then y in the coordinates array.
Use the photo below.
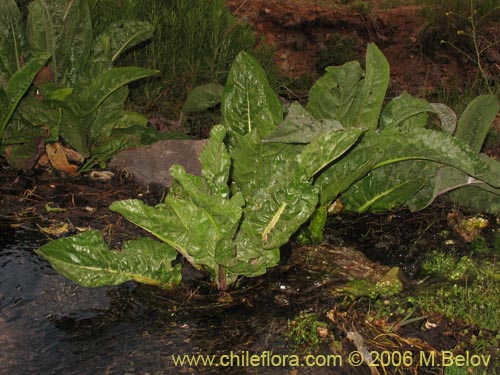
{"type": "Point", "coordinates": [300, 30]}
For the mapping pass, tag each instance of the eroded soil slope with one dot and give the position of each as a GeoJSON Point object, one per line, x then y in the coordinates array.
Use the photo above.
{"type": "Point", "coordinates": [300, 29]}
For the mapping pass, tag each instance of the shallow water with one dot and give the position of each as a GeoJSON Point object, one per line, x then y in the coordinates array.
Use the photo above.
{"type": "Point", "coordinates": [49, 325]}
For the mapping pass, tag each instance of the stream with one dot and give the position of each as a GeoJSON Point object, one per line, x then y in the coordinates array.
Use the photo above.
{"type": "Point", "coordinates": [49, 325]}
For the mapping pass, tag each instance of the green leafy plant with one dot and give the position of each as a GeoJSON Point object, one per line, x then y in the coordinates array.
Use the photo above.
{"type": "Point", "coordinates": [252, 195]}
{"type": "Point", "coordinates": [79, 96]}
{"type": "Point", "coordinates": [264, 176]}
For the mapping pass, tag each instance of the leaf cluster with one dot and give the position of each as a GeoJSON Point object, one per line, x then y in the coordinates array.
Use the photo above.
{"type": "Point", "coordinates": [78, 95]}
{"type": "Point", "coordinates": [264, 175]}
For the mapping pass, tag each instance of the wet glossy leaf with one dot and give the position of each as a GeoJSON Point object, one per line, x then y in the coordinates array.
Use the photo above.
{"type": "Point", "coordinates": [179, 223]}
{"type": "Point", "coordinates": [300, 126]}
{"type": "Point", "coordinates": [342, 174]}
{"type": "Point", "coordinates": [216, 163]}
{"type": "Point", "coordinates": [325, 149]}
{"type": "Point", "coordinates": [102, 121]}
{"type": "Point", "coordinates": [366, 107]}
{"type": "Point", "coordinates": [198, 219]}
{"type": "Point", "coordinates": [331, 97]}
{"type": "Point", "coordinates": [386, 187]}
{"type": "Point", "coordinates": [394, 145]}
{"type": "Point", "coordinates": [87, 260]}
{"type": "Point", "coordinates": [349, 95]}
{"type": "Point", "coordinates": [405, 111]}
{"type": "Point", "coordinates": [248, 102]}
{"type": "Point", "coordinates": [256, 164]}
{"type": "Point", "coordinates": [273, 214]}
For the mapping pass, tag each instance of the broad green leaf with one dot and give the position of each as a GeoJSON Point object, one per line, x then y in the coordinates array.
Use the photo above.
{"type": "Point", "coordinates": [106, 84]}
{"type": "Point", "coordinates": [119, 139]}
{"type": "Point", "coordinates": [480, 197]}
{"type": "Point", "coordinates": [74, 40]}
{"type": "Point", "coordinates": [326, 148]}
{"type": "Point", "coordinates": [248, 102]}
{"type": "Point", "coordinates": [87, 260]}
{"type": "Point", "coordinates": [331, 97]}
{"type": "Point", "coordinates": [346, 171]}
{"type": "Point", "coordinates": [203, 97]}
{"type": "Point", "coordinates": [348, 95]}
{"type": "Point", "coordinates": [442, 179]}
{"type": "Point", "coordinates": [225, 213]}
{"type": "Point", "coordinates": [39, 113]}
{"type": "Point", "coordinates": [119, 37]}
{"type": "Point", "coordinates": [179, 223]}
{"type": "Point", "coordinates": [18, 85]}
{"type": "Point", "coordinates": [476, 120]}
{"type": "Point", "coordinates": [435, 146]}
{"type": "Point", "coordinates": [13, 44]}
{"type": "Point", "coordinates": [101, 122]}
{"type": "Point", "coordinates": [50, 91]}
{"type": "Point", "coordinates": [457, 183]}
{"type": "Point", "coordinates": [22, 79]}
{"type": "Point", "coordinates": [216, 163]}
{"type": "Point", "coordinates": [300, 126]}
{"type": "Point", "coordinates": [405, 111]}
{"type": "Point", "coordinates": [271, 216]}
{"type": "Point", "coordinates": [41, 33]}
{"type": "Point", "coordinates": [21, 131]}
{"type": "Point", "coordinates": [256, 164]}
{"type": "Point", "coordinates": [62, 28]}
{"type": "Point", "coordinates": [74, 130]}
{"type": "Point", "coordinates": [386, 187]}
{"type": "Point", "coordinates": [395, 145]}
{"type": "Point", "coordinates": [366, 107]}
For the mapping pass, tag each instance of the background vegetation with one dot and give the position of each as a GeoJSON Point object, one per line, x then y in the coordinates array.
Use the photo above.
{"type": "Point", "coordinates": [195, 42]}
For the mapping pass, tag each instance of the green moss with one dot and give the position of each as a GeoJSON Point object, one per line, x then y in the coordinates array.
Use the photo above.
{"type": "Point", "coordinates": [470, 294]}
{"type": "Point", "coordinates": [302, 332]}
{"type": "Point", "coordinates": [388, 285]}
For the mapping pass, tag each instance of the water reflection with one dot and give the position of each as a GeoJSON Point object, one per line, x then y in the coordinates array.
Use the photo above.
{"type": "Point", "coordinates": [49, 325]}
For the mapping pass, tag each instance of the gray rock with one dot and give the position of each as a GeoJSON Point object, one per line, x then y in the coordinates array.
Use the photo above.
{"type": "Point", "coordinates": [150, 164]}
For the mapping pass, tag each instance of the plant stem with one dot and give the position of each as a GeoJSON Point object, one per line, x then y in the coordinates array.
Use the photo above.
{"type": "Point", "coordinates": [477, 47]}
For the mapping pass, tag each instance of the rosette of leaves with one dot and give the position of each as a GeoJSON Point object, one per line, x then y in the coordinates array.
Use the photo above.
{"type": "Point", "coordinates": [79, 96]}
{"type": "Point", "coordinates": [264, 176]}
{"type": "Point", "coordinates": [400, 160]}
{"type": "Point", "coordinates": [253, 193]}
